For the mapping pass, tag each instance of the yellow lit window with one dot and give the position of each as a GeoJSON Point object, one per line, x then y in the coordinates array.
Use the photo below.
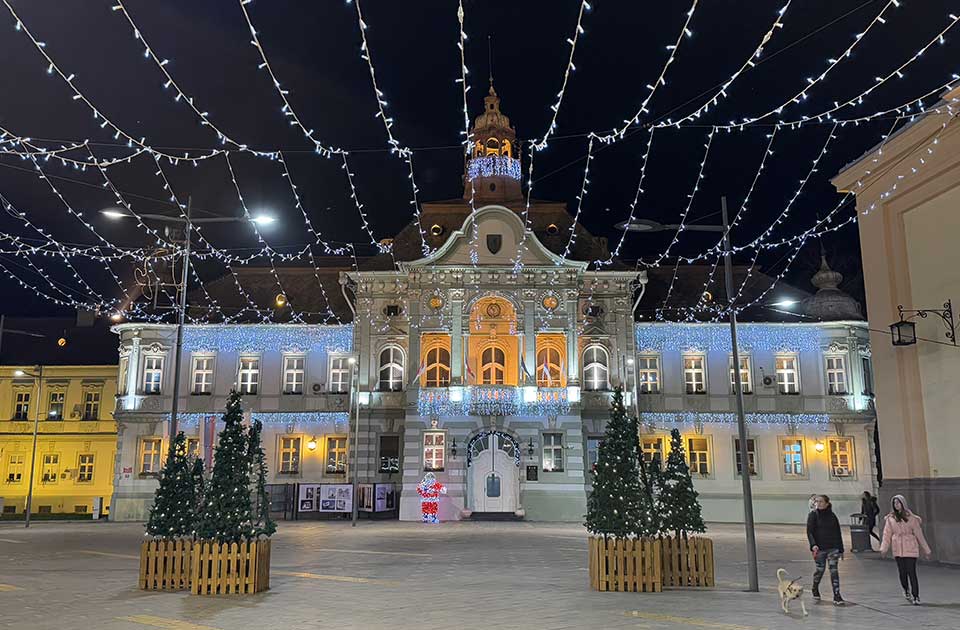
{"type": "Point", "coordinates": [15, 468]}
{"type": "Point", "coordinates": [150, 449]}
{"type": "Point", "coordinates": [289, 455]}
{"type": "Point", "coordinates": [698, 453]}
{"type": "Point", "coordinates": [51, 468]}
{"type": "Point", "coordinates": [85, 468]}
{"type": "Point", "coordinates": [841, 457]}
{"type": "Point", "coordinates": [336, 455]}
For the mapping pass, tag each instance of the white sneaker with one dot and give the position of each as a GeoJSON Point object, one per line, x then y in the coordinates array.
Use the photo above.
{"type": "Point", "coordinates": [907, 596]}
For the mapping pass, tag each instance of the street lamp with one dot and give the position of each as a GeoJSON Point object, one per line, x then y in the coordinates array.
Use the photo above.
{"type": "Point", "coordinates": [36, 428]}
{"type": "Point", "coordinates": [187, 221]}
{"type": "Point", "coordinates": [646, 225]}
{"type": "Point", "coordinates": [355, 446]}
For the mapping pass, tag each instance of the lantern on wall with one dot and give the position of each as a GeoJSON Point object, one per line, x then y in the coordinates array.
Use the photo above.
{"type": "Point", "coordinates": [904, 332]}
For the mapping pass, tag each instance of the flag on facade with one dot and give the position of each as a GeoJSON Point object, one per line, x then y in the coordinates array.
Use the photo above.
{"type": "Point", "coordinates": [546, 372]}
{"type": "Point", "coordinates": [420, 371]}
{"type": "Point", "coordinates": [469, 370]}
{"type": "Point", "coordinates": [526, 371]}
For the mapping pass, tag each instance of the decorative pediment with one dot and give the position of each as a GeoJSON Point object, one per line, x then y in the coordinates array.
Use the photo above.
{"type": "Point", "coordinates": [493, 236]}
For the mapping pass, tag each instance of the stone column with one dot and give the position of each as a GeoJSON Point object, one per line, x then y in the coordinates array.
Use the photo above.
{"type": "Point", "coordinates": [456, 338]}
{"type": "Point", "coordinates": [573, 356]}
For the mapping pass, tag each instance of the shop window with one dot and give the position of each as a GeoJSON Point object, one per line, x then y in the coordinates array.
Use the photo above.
{"type": "Point", "coordinates": [336, 455]}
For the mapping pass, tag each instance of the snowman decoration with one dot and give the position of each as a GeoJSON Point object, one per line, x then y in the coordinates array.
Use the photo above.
{"type": "Point", "coordinates": [430, 490]}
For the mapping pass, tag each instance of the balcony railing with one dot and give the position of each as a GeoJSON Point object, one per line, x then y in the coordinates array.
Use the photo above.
{"type": "Point", "coordinates": [494, 400]}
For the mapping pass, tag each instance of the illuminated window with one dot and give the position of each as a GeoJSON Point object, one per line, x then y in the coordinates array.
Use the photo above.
{"type": "Point", "coordinates": [841, 457]}
{"type": "Point", "coordinates": [339, 375]}
{"type": "Point", "coordinates": [553, 452]}
{"type": "Point", "coordinates": [21, 409]}
{"type": "Point", "coordinates": [648, 374]}
{"type": "Point", "coordinates": [694, 374]}
{"type": "Point", "coordinates": [248, 375]}
{"type": "Point", "coordinates": [745, 379]}
{"type": "Point", "coordinates": [652, 449]}
{"type": "Point", "coordinates": [91, 405]}
{"type": "Point", "coordinates": [433, 450]}
{"type": "Point", "coordinates": [867, 375]}
{"type": "Point", "coordinates": [836, 375]}
{"type": "Point", "coordinates": [193, 447]}
{"type": "Point", "coordinates": [751, 456]}
{"type": "Point", "coordinates": [438, 367]}
{"type": "Point", "coordinates": [336, 455]}
{"type": "Point", "coordinates": [492, 366]}
{"type": "Point", "coordinates": [293, 373]}
{"type": "Point", "coordinates": [150, 456]}
{"type": "Point", "coordinates": [698, 455]}
{"type": "Point", "coordinates": [152, 375]}
{"type": "Point", "coordinates": [548, 367]}
{"type": "Point", "coordinates": [793, 457]}
{"type": "Point", "coordinates": [788, 374]}
{"type": "Point", "coordinates": [391, 369]}
{"type": "Point", "coordinates": [202, 375]}
{"type": "Point", "coordinates": [289, 455]}
{"type": "Point", "coordinates": [85, 468]}
{"type": "Point", "coordinates": [51, 468]}
{"type": "Point", "coordinates": [15, 468]}
{"type": "Point", "coordinates": [55, 410]}
{"type": "Point", "coordinates": [595, 368]}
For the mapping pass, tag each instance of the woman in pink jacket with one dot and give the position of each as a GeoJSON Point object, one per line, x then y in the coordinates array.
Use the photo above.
{"type": "Point", "coordinates": [902, 533]}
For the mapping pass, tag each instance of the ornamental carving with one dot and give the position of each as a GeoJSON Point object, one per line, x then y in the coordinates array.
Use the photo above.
{"type": "Point", "coordinates": [837, 348]}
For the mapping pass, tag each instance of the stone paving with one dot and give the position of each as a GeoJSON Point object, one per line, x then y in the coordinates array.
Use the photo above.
{"type": "Point", "coordinates": [455, 575]}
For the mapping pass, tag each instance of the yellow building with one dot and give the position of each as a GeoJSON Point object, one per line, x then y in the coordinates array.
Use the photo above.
{"type": "Point", "coordinates": [72, 406]}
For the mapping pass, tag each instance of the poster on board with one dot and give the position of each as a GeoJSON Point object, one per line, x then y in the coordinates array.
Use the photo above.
{"type": "Point", "coordinates": [335, 498]}
{"type": "Point", "coordinates": [386, 497]}
{"type": "Point", "coordinates": [365, 497]}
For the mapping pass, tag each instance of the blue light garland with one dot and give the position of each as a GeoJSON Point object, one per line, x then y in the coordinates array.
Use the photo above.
{"type": "Point", "coordinates": [338, 420]}
{"type": "Point", "coordinates": [693, 417]}
{"type": "Point", "coordinates": [493, 166]}
{"type": "Point", "coordinates": [716, 337]}
{"type": "Point", "coordinates": [493, 401]}
{"type": "Point", "coordinates": [270, 337]}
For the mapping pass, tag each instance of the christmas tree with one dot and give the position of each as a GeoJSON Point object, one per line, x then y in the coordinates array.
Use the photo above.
{"type": "Point", "coordinates": [616, 506]}
{"type": "Point", "coordinates": [173, 514]}
{"type": "Point", "coordinates": [264, 525]}
{"type": "Point", "coordinates": [227, 514]}
{"type": "Point", "coordinates": [678, 505]}
{"type": "Point", "coordinates": [649, 475]}
{"type": "Point", "coordinates": [196, 500]}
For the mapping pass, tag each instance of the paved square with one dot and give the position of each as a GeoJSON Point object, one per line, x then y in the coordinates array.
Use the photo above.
{"type": "Point", "coordinates": [454, 575]}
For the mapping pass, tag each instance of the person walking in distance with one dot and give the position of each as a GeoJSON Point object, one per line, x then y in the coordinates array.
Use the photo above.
{"type": "Point", "coordinates": [903, 535]}
{"type": "Point", "coordinates": [826, 544]}
{"type": "Point", "coordinates": [870, 509]}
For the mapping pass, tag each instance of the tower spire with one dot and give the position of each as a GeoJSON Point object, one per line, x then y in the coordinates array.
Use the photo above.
{"type": "Point", "coordinates": [490, 58]}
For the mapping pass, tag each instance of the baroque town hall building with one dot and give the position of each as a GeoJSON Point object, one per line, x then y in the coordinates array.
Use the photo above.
{"type": "Point", "coordinates": [500, 381]}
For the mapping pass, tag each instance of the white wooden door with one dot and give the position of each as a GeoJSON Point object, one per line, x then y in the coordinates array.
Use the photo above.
{"type": "Point", "coordinates": [494, 478]}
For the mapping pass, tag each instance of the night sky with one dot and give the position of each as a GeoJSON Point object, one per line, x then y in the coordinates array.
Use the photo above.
{"type": "Point", "coordinates": [314, 48]}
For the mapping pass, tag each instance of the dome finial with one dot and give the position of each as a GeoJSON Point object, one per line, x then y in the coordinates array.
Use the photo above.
{"type": "Point", "coordinates": [490, 63]}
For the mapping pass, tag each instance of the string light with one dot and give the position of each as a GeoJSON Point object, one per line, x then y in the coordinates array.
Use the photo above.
{"type": "Point", "coordinates": [541, 144]}
{"type": "Point", "coordinates": [580, 198]}
{"type": "Point", "coordinates": [705, 417]}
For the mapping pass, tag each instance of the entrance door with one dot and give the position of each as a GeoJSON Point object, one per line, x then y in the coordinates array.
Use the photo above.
{"type": "Point", "coordinates": [493, 480]}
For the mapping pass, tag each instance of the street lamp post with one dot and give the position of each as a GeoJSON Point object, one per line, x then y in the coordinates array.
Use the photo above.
{"type": "Point", "coordinates": [187, 221]}
{"type": "Point", "coordinates": [644, 225]}
{"type": "Point", "coordinates": [36, 428]}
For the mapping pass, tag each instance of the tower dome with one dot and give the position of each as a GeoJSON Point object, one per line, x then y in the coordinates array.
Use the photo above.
{"type": "Point", "coordinates": [829, 303]}
{"type": "Point", "coordinates": [493, 164]}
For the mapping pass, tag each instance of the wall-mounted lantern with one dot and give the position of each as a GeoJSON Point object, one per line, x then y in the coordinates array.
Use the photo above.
{"type": "Point", "coordinates": [904, 332]}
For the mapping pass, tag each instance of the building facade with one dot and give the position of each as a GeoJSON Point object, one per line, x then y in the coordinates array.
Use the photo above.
{"type": "Point", "coordinates": [907, 191]}
{"type": "Point", "coordinates": [72, 406]}
{"type": "Point", "coordinates": [485, 349]}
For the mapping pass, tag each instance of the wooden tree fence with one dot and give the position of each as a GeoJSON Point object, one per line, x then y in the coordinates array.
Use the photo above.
{"type": "Point", "coordinates": [204, 567]}
{"type": "Point", "coordinates": [649, 564]}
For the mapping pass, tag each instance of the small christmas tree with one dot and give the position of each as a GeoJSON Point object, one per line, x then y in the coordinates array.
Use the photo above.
{"type": "Point", "coordinates": [678, 505]}
{"type": "Point", "coordinates": [173, 513]}
{"type": "Point", "coordinates": [263, 525]}
{"type": "Point", "coordinates": [227, 514]}
{"type": "Point", "coordinates": [615, 507]}
{"type": "Point", "coordinates": [196, 484]}
{"type": "Point", "coordinates": [649, 474]}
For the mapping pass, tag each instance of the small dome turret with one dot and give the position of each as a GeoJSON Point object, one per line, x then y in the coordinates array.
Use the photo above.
{"type": "Point", "coordinates": [829, 303]}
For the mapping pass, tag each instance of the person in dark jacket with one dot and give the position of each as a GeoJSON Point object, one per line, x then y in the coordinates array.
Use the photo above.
{"type": "Point", "coordinates": [826, 543]}
{"type": "Point", "coordinates": [870, 509]}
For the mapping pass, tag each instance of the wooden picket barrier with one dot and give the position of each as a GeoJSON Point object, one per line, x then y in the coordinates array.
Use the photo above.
{"type": "Point", "coordinates": [625, 564]}
{"type": "Point", "coordinates": [688, 562]}
{"type": "Point", "coordinates": [165, 565]}
{"type": "Point", "coordinates": [224, 568]}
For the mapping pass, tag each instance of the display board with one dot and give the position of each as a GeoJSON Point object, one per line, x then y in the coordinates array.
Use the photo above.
{"type": "Point", "coordinates": [317, 497]}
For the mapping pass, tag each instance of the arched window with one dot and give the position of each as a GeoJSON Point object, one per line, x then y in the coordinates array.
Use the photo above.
{"type": "Point", "coordinates": [596, 368]}
{"type": "Point", "coordinates": [548, 367]}
{"type": "Point", "coordinates": [438, 367]}
{"type": "Point", "coordinates": [492, 366]}
{"type": "Point", "coordinates": [391, 369]}
{"type": "Point", "coordinates": [493, 146]}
